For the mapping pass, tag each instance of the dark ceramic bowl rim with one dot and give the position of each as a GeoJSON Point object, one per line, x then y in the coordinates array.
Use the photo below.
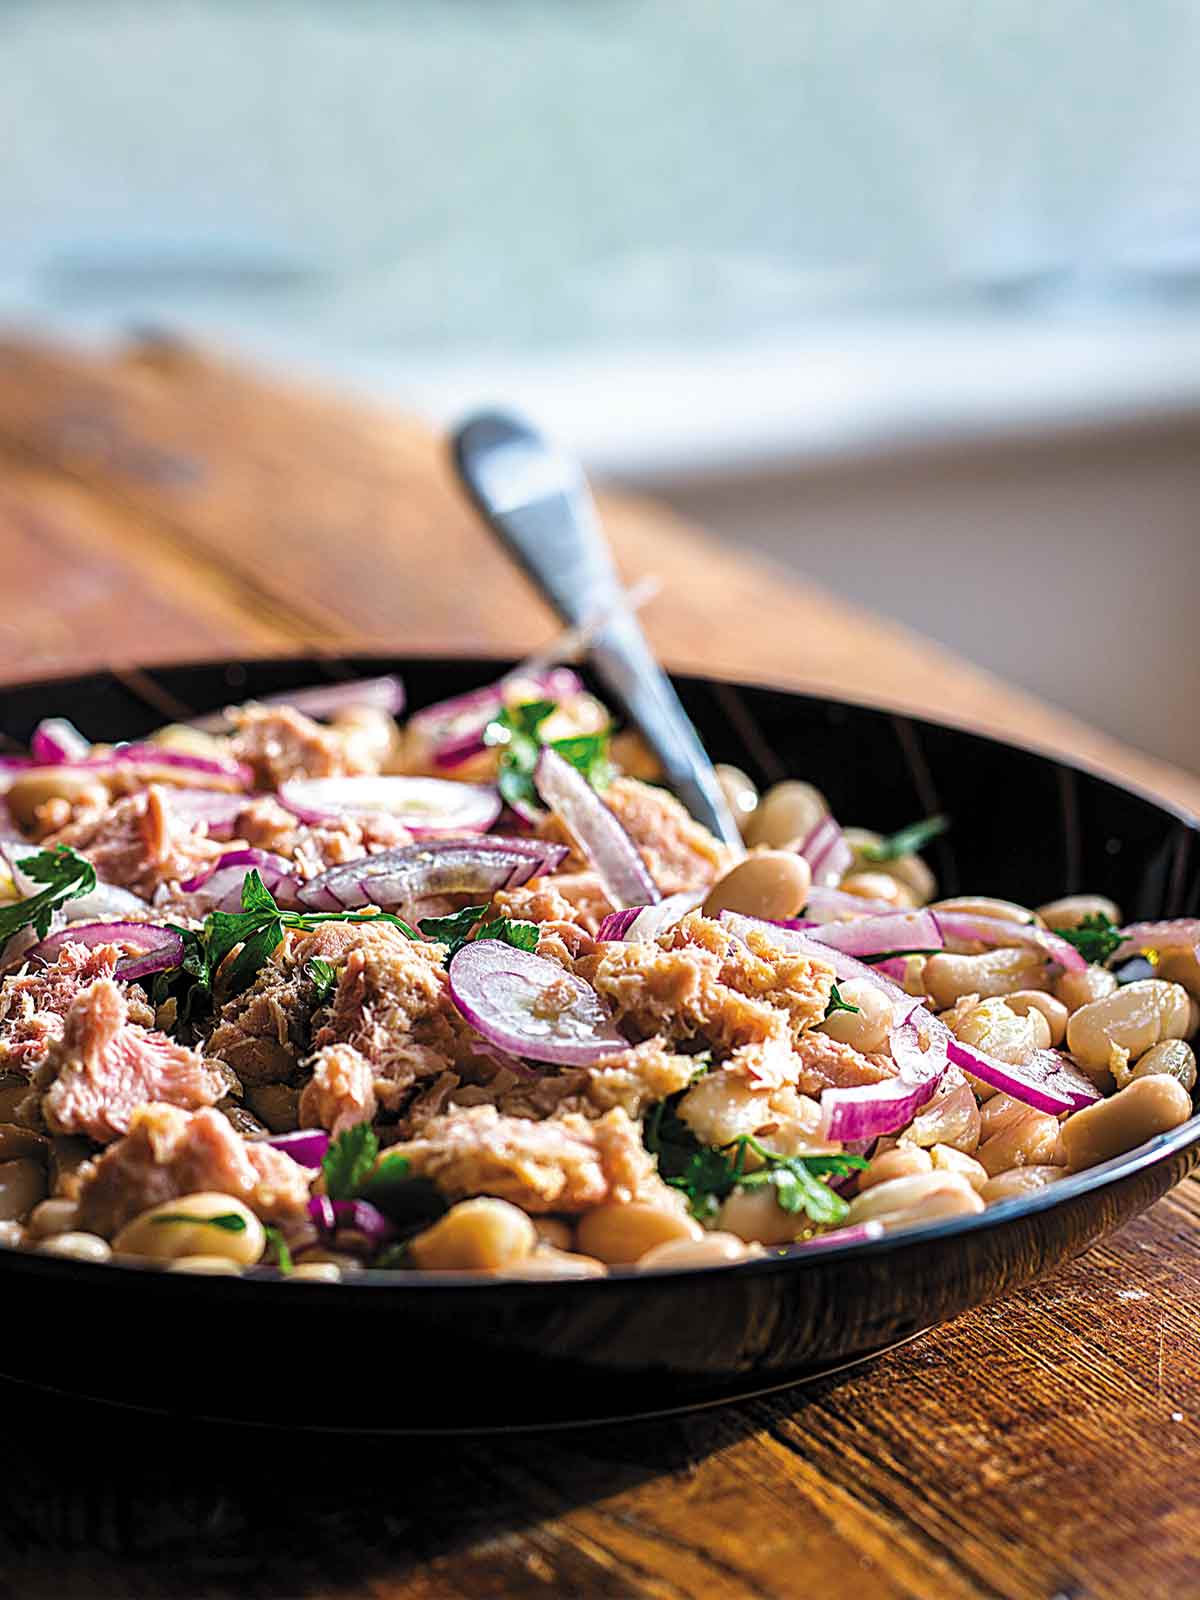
{"type": "Point", "coordinates": [1159, 1149]}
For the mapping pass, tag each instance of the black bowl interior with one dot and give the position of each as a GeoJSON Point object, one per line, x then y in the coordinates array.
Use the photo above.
{"type": "Point", "coordinates": [1026, 826]}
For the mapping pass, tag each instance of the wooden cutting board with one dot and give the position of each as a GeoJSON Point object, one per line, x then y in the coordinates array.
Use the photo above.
{"type": "Point", "coordinates": [159, 504]}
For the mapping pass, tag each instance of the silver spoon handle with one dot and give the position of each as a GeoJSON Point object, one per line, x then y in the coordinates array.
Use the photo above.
{"type": "Point", "coordinates": [537, 502]}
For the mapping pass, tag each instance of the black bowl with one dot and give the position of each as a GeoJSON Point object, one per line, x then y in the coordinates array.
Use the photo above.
{"type": "Point", "coordinates": [440, 1354]}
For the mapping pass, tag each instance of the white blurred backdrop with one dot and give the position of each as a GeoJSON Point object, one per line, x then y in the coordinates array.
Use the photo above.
{"type": "Point", "coordinates": [907, 296]}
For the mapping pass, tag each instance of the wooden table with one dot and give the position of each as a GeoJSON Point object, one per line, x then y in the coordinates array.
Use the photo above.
{"type": "Point", "coordinates": [159, 505]}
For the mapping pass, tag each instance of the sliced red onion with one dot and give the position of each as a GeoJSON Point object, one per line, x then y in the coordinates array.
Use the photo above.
{"type": "Point", "coordinates": [159, 948]}
{"type": "Point", "coordinates": [1179, 933]}
{"type": "Point", "coordinates": [899, 930]}
{"type": "Point", "coordinates": [221, 884]}
{"type": "Point", "coordinates": [425, 806]}
{"type": "Point", "coordinates": [217, 809]}
{"type": "Point", "coordinates": [478, 865]}
{"type": "Point", "coordinates": [1047, 1081]}
{"type": "Point", "coordinates": [530, 1007]}
{"type": "Point", "coordinates": [307, 1146]}
{"type": "Point", "coordinates": [455, 728]}
{"type": "Point", "coordinates": [828, 855]}
{"type": "Point", "coordinates": [56, 740]}
{"type": "Point", "coordinates": [642, 924]}
{"type": "Point", "coordinates": [996, 931]}
{"type": "Point", "coordinates": [324, 699]}
{"type": "Point", "coordinates": [834, 905]}
{"type": "Point", "coordinates": [895, 968]}
{"type": "Point", "coordinates": [329, 1215]}
{"type": "Point", "coordinates": [857, 1233]}
{"type": "Point", "coordinates": [228, 773]}
{"type": "Point", "coordinates": [844, 966]}
{"type": "Point", "coordinates": [596, 831]}
{"type": "Point", "coordinates": [15, 763]}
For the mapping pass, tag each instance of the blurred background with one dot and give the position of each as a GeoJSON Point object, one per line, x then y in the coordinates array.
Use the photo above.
{"type": "Point", "coordinates": [907, 297]}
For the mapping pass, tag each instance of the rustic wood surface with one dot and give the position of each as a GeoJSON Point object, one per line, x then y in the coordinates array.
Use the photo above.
{"type": "Point", "coordinates": [160, 505]}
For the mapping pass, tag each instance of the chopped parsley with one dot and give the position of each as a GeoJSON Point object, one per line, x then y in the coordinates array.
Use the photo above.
{"type": "Point", "coordinates": [227, 1221]}
{"type": "Point", "coordinates": [258, 929]}
{"type": "Point", "coordinates": [349, 1161]}
{"type": "Point", "coordinates": [459, 928]}
{"type": "Point", "coordinates": [352, 1170]}
{"type": "Point", "coordinates": [66, 876]}
{"type": "Point", "coordinates": [517, 732]}
{"type": "Point", "coordinates": [324, 977]}
{"type": "Point", "coordinates": [706, 1175]}
{"type": "Point", "coordinates": [1096, 938]}
{"type": "Point", "coordinates": [906, 841]}
{"type": "Point", "coordinates": [836, 1003]}
{"type": "Point", "coordinates": [279, 1245]}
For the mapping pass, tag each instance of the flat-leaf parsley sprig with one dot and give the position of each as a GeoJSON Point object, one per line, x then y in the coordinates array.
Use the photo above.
{"type": "Point", "coordinates": [66, 875]}
{"type": "Point", "coordinates": [462, 927]}
{"type": "Point", "coordinates": [517, 732]}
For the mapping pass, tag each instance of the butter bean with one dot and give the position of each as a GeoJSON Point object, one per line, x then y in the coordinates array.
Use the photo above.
{"type": "Point", "coordinates": [772, 884]}
{"type": "Point", "coordinates": [1018, 1181]}
{"type": "Point", "coordinates": [867, 1028]}
{"type": "Point", "coordinates": [1172, 1057]}
{"type": "Point", "coordinates": [994, 973]}
{"type": "Point", "coordinates": [474, 1235]}
{"type": "Point", "coordinates": [553, 1231]}
{"type": "Point", "coordinates": [741, 795]}
{"type": "Point", "coordinates": [787, 811]}
{"type": "Point", "coordinates": [713, 1250]}
{"type": "Point", "coordinates": [1106, 1033]}
{"type": "Point", "coordinates": [622, 1234]}
{"type": "Point", "coordinates": [993, 1027]}
{"type": "Point", "coordinates": [1028, 1141]}
{"type": "Point", "coordinates": [919, 1198]}
{"type": "Point", "coordinates": [1070, 911]}
{"type": "Point", "coordinates": [948, 1159]}
{"type": "Point", "coordinates": [754, 1216]}
{"type": "Point", "coordinates": [37, 785]}
{"type": "Point", "coordinates": [1076, 989]}
{"type": "Point", "coordinates": [209, 1266]}
{"type": "Point", "coordinates": [51, 1217]}
{"type": "Point", "coordinates": [910, 870]}
{"type": "Point", "coordinates": [1146, 1107]}
{"type": "Point", "coordinates": [76, 1247]}
{"type": "Point", "coordinates": [1181, 966]}
{"type": "Point", "coordinates": [196, 1234]}
{"type": "Point", "coordinates": [22, 1185]}
{"type": "Point", "coordinates": [880, 886]}
{"type": "Point", "coordinates": [1026, 1001]}
{"type": "Point", "coordinates": [902, 1161]}
{"type": "Point", "coordinates": [546, 1262]}
{"type": "Point", "coordinates": [315, 1272]}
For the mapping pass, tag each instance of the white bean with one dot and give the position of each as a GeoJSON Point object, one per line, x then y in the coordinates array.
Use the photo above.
{"type": "Point", "coordinates": [866, 1029]}
{"type": "Point", "coordinates": [194, 1225]}
{"type": "Point", "coordinates": [994, 973]}
{"type": "Point", "coordinates": [1106, 1033]}
{"type": "Point", "coordinates": [1070, 911]}
{"type": "Point", "coordinates": [787, 811]}
{"type": "Point", "coordinates": [1146, 1107]}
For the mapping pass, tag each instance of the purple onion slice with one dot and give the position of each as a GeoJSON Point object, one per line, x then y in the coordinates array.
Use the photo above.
{"type": "Point", "coordinates": [641, 924]}
{"type": "Point", "coordinates": [455, 728]}
{"type": "Point", "coordinates": [1047, 1081]}
{"type": "Point", "coordinates": [999, 932]}
{"type": "Point", "coordinates": [1178, 933]}
{"type": "Point", "coordinates": [827, 853]}
{"type": "Point", "coordinates": [425, 806]}
{"type": "Point", "coordinates": [835, 905]}
{"type": "Point", "coordinates": [596, 831]}
{"type": "Point", "coordinates": [220, 885]}
{"type": "Point", "coordinates": [530, 1007]}
{"type": "Point", "coordinates": [478, 866]}
{"type": "Point", "coordinates": [329, 1215]}
{"type": "Point", "coordinates": [55, 740]}
{"type": "Point", "coordinates": [306, 1146]}
{"type": "Point", "coordinates": [871, 936]}
{"type": "Point", "coordinates": [158, 949]}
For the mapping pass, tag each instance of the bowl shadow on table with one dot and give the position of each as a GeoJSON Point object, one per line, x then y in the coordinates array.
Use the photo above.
{"type": "Point", "coordinates": [107, 1494]}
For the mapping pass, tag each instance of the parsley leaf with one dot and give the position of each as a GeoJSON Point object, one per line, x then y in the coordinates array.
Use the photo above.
{"type": "Point", "coordinates": [324, 977]}
{"type": "Point", "coordinates": [66, 876]}
{"type": "Point", "coordinates": [349, 1161]}
{"type": "Point", "coordinates": [836, 1003]}
{"type": "Point", "coordinates": [456, 930]}
{"type": "Point", "coordinates": [283, 1255]}
{"type": "Point", "coordinates": [227, 1221]}
{"type": "Point", "coordinates": [517, 732]}
{"type": "Point", "coordinates": [1096, 938]}
{"type": "Point", "coordinates": [907, 841]}
{"type": "Point", "coordinates": [707, 1175]}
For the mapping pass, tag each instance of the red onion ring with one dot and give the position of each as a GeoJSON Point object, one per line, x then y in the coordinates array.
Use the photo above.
{"type": "Point", "coordinates": [596, 831]}
{"type": "Point", "coordinates": [642, 924]}
{"type": "Point", "coordinates": [221, 884]}
{"type": "Point", "coordinates": [501, 992]}
{"type": "Point", "coordinates": [899, 930]}
{"type": "Point", "coordinates": [1178, 933]}
{"type": "Point", "coordinates": [455, 727]}
{"type": "Point", "coordinates": [306, 1146]}
{"type": "Point", "coordinates": [55, 740]}
{"type": "Point", "coordinates": [329, 1215]}
{"type": "Point", "coordinates": [828, 855]}
{"type": "Point", "coordinates": [160, 948]}
{"type": "Point", "coordinates": [1047, 1081]}
{"type": "Point", "coordinates": [997, 932]}
{"type": "Point", "coordinates": [401, 877]}
{"type": "Point", "coordinates": [425, 806]}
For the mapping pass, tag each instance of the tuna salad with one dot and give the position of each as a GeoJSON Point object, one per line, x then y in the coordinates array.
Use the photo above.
{"type": "Point", "coordinates": [311, 988]}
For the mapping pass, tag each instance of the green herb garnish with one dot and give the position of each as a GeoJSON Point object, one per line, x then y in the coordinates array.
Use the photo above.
{"type": "Point", "coordinates": [283, 1255]}
{"type": "Point", "coordinates": [906, 841]}
{"type": "Point", "coordinates": [324, 977]}
{"type": "Point", "coordinates": [1096, 938]}
{"type": "Point", "coordinates": [227, 1221]}
{"type": "Point", "coordinates": [258, 928]}
{"type": "Point", "coordinates": [836, 1003]}
{"type": "Point", "coordinates": [459, 928]}
{"type": "Point", "coordinates": [66, 876]}
{"type": "Point", "coordinates": [707, 1175]}
{"type": "Point", "coordinates": [517, 732]}
{"type": "Point", "coordinates": [349, 1161]}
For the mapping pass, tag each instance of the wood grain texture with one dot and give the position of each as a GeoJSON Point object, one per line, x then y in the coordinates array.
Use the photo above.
{"type": "Point", "coordinates": [159, 505]}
